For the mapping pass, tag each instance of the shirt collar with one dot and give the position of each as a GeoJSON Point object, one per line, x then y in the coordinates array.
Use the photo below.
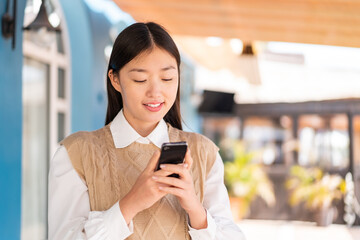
{"type": "Point", "coordinates": [124, 134]}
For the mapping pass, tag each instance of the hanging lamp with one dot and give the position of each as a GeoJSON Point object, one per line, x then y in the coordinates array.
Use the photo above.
{"type": "Point", "coordinates": [8, 22]}
{"type": "Point", "coordinates": [42, 21]}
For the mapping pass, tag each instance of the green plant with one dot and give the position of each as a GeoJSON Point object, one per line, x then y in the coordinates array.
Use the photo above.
{"type": "Point", "coordinates": [246, 179]}
{"type": "Point", "coordinates": [316, 189]}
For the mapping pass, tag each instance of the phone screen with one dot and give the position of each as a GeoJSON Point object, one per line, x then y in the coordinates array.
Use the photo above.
{"type": "Point", "coordinates": [172, 153]}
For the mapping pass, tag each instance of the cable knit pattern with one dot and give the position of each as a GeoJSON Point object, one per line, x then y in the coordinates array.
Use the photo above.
{"type": "Point", "coordinates": [111, 172]}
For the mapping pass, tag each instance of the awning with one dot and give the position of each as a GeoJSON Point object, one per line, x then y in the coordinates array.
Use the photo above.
{"type": "Point", "coordinates": [328, 22]}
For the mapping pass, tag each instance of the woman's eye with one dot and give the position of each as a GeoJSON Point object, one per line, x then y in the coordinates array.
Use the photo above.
{"type": "Point", "coordinates": [139, 81]}
{"type": "Point", "coordinates": [167, 79]}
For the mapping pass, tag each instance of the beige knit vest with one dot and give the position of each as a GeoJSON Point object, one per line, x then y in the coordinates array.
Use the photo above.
{"type": "Point", "coordinates": [111, 172]}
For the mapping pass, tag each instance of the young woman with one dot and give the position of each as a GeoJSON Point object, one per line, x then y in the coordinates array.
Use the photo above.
{"type": "Point", "coordinates": [103, 184]}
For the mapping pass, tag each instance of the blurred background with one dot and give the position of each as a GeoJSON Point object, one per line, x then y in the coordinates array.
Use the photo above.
{"type": "Point", "coordinates": [274, 83]}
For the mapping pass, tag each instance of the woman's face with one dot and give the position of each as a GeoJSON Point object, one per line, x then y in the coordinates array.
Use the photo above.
{"type": "Point", "coordinates": [148, 85]}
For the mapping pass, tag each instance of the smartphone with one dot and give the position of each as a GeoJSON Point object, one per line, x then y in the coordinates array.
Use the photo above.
{"type": "Point", "coordinates": [172, 153]}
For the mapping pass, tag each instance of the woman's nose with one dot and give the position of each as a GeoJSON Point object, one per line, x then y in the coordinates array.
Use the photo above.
{"type": "Point", "coordinates": [154, 88]}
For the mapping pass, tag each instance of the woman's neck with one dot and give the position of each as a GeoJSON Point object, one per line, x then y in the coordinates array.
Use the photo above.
{"type": "Point", "coordinates": [143, 129]}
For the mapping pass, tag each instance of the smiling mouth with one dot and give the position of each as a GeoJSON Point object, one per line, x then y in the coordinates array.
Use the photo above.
{"type": "Point", "coordinates": [153, 105]}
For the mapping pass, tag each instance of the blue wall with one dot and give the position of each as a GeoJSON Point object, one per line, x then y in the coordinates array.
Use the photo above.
{"type": "Point", "coordinates": [10, 129]}
{"type": "Point", "coordinates": [88, 33]}
{"type": "Point", "coordinates": [100, 27]}
{"type": "Point", "coordinates": [85, 112]}
{"type": "Point", "coordinates": [82, 65]}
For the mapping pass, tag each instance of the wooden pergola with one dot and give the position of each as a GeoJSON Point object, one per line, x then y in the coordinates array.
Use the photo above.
{"type": "Point", "coordinates": [327, 22]}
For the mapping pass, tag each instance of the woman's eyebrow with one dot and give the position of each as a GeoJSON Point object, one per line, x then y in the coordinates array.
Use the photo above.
{"type": "Point", "coordinates": [168, 68]}
{"type": "Point", "coordinates": [137, 70]}
{"type": "Point", "coordinates": [143, 70]}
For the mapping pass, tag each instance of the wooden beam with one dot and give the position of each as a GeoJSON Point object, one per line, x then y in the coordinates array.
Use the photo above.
{"type": "Point", "coordinates": [343, 106]}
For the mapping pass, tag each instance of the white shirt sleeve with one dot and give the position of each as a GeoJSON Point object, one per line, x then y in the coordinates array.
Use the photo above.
{"type": "Point", "coordinates": [221, 225]}
{"type": "Point", "coordinates": [69, 215]}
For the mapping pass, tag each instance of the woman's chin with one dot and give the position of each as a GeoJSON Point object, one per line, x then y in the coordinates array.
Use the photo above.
{"type": "Point", "coordinates": [153, 118]}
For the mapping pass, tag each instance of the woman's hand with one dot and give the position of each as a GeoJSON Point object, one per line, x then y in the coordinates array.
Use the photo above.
{"type": "Point", "coordinates": [183, 189]}
{"type": "Point", "coordinates": [144, 193]}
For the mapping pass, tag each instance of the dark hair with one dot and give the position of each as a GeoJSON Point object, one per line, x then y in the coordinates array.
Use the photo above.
{"type": "Point", "coordinates": [131, 42]}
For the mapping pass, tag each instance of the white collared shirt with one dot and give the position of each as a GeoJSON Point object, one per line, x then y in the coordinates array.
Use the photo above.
{"type": "Point", "coordinates": [69, 213]}
{"type": "Point", "coordinates": [120, 127]}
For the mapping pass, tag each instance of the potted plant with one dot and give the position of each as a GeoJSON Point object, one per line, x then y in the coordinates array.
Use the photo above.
{"type": "Point", "coordinates": [246, 180]}
{"type": "Point", "coordinates": [318, 191]}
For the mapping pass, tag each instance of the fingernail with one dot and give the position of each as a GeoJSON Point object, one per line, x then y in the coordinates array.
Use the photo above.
{"type": "Point", "coordinates": [161, 188]}
{"type": "Point", "coordinates": [186, 165]}
{"type": "Point", "coordinates": [162, 166]}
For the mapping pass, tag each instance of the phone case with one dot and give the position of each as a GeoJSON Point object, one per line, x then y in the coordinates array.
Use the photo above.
{"type": "Point", "coordinates": [172, 153]}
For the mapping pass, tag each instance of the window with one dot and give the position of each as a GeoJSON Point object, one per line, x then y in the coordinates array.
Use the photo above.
{"type": "Point", "coordinates": [61, 83]}
{"type": "Point", "coordinates": [356, 147]}
{"type": "Point", "coordinates": [35, 146]}
{"type": "Point", "coordinates": [271, 136]}
{"type": "Point", "coordinates": [324, 141]}
{"type": "Point", "coordinates": [46, 117]}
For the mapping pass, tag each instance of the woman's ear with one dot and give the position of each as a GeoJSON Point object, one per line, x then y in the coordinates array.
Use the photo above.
{"type": "Point", "coordinates": [114, 79]}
